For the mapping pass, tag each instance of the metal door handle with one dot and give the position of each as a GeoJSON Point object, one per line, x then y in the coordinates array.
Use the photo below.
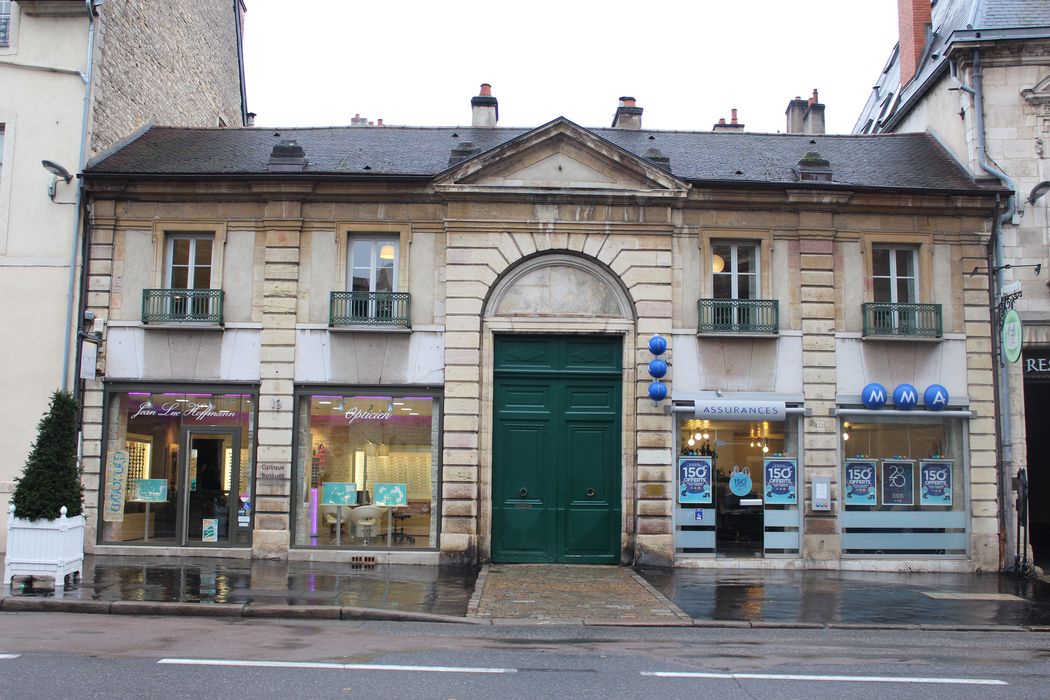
{"type": "Point", "coordinates": [523, 493]}
{"type": "Point", "coordinates": [590, 493]}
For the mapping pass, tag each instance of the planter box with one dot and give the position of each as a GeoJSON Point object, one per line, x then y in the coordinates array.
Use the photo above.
{"type": "Point", "coordinates": [53, 548]}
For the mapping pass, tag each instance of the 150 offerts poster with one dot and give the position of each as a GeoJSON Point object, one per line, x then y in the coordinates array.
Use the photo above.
{"type": "Point", "coordinates": [694, 479]}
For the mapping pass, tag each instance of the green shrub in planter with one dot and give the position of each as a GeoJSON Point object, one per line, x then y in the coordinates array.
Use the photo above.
{"type": "Point", "coordinates": [51, 478]}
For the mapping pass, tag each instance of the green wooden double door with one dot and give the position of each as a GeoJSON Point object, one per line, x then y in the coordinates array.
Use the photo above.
{"type": "Point", "coordinates": [557, 435]}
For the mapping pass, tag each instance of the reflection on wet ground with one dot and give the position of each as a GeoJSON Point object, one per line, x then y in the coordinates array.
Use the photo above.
{"type": "Point", "coordinates": [853, 597]}
{"type": "Point", "coordinates": [429, 589]}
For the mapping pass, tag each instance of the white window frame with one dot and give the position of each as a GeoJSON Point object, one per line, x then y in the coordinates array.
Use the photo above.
{"type": "Point", "coordinates": [376, 241]}
{"type": "Point", "coordinates": [733, 264]}
{"type": "Point", "coordinates": [169, 258]}
{"type": "Point", "coordinates": [893, 276]}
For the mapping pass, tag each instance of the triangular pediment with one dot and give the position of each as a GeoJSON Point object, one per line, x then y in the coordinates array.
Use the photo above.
{"type": "Point", "coordinates": [561, 156]}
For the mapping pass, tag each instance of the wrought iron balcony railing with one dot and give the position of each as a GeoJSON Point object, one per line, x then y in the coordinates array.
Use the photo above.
{"type": "Point", "coordinates": [370, 309]}
{"type": "Point", "coordinates": [883, 320]}
{"type": "Point", "coordinates": [738, 316]}
{"type": "Point", "coordinates": [200, 306]}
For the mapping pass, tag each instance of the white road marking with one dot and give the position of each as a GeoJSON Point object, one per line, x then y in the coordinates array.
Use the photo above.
{"type": "Point", "coordinates": [9, 656]}
{"type": "Point", "coordinates": [838, 679]}
{"type": "Point", "coordinates": [331, 666]}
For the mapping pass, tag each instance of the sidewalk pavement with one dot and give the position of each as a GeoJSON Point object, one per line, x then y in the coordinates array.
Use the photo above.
{"type": "Point", "coordinates": [534, 594]}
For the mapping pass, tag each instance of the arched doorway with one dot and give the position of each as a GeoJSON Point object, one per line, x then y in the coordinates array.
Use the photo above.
{"type": "Point", "coordinates": [556, 325]}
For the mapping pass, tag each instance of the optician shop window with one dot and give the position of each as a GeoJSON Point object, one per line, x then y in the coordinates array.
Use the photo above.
{"type": "Point", "coordinates": [903, 486]}
{"type": "Point", "coordinates": [178, 466]}
{"type": "Point", "coordinates": [367, 469]}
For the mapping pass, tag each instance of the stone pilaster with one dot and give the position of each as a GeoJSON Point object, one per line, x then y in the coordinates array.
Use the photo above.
{"type": "Point", "coordinates": [103, 278]}
{"type": "Point", "coordinates": [277, 311]}
{"type": "Point", "coordinates": [981, 368]}
{"type": "Point", "coordinates": [818, 317]}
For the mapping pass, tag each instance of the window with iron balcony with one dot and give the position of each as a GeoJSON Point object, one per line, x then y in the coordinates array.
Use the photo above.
{"type": "Point", "coordinates": [735, 305]}
{"type": "Point", "coordinates": [371, 298]}
{"type": "Point", "coordinates": [895, 311]}
{"type": "Point", "coordinates": [189, 294]}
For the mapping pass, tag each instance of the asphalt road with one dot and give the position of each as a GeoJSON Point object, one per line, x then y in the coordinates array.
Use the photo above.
{"type": "Point", "coordinates": [56, 655]}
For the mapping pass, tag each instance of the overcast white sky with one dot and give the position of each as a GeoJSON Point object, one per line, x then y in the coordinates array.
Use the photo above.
{"type": "Point", "coordinates": [318, 62]}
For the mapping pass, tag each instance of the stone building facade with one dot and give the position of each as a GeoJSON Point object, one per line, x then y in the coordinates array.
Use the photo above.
{"type": "Point", "coordinates": [76, 77]}
{"type": "Point", "coordinates": [976, 75]}
{"type": "Point", "coordinates": [437, 344]}
{"type": "Point", "coordinates": [174, 63]}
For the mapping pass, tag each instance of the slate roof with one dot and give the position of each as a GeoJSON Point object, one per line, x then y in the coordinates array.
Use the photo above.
{"type": "Point", "coordinates": [908, 161]}
{"type": "Point", "coordinates": [952, 20]}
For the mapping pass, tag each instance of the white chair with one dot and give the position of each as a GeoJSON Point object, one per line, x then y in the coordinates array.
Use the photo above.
{"type": "Point", "coordinates": [364, 519]}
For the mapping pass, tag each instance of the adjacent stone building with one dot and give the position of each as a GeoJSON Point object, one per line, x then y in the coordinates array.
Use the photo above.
{"type": "Point", "coordinates": [975, 75]}
{"type": "Point", "coordinates": [76, 76]}
{"type": "Point", "coordinates": [554, 344]}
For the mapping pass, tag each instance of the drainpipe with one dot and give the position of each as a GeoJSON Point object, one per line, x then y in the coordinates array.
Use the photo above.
{"type": "Point", "coordinates": [1004, 445]}
{"type": "Point", "coordinates": [86, 77]}
{"type": "Point", "coordinates": [240, 60]}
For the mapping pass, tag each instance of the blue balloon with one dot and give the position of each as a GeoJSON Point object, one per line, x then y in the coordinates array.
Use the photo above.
{"type": "Point", "coordinates": [936, 397]}
{"type": "Point", "coordinates": [657, 368]}
{"type": "Point", "coordinates": [657, 345]}
{"type": "Point", "coordinates": [657, 391]}
{"type": "Point", "coordinates": [873, 396]}
{"type": "Point", "coordinates": [905, 396]}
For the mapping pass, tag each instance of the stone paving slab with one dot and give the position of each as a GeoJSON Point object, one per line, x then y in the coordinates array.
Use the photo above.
{"type": "Point", "coordinates": [570, 594]}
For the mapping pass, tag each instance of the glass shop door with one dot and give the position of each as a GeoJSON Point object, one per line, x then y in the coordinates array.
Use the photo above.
{"type": "Point", "coordinates": [210, 479]}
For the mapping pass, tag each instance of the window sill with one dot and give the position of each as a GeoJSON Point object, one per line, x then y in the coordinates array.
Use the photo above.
{"type": "Point", "coordinates": [166, 326]}
{"type": "Point", "coordinates": [737, 334]}
{"type": "Point", "coordinates": [369, 329]}
{"type": "Point", "coordinates": [900, 339]}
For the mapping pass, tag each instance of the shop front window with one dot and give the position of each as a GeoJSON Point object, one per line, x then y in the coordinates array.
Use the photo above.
{"type": "Point", "coordinates": [178, 468]}
{"type": "Point", "coordinates": [738, 488]}
{"type": "Point", "coordinates": [366, 470]}
{"type": "Point", "coordinates": [903, 486]}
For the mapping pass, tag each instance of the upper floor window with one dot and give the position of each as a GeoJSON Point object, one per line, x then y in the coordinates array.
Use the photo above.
{"type": "Point", "coordinates": [5, 22]}
{"type": "Point", "coordinates": [190, 292]}
{"type": "Point", "coordinates": [736, 304]}
{"type": "Point", "coordinates": [895, 310]}
{"type": "Point", "coordinates": [371, 297]}
{"type": "Point", "coordinates": [734, 268]}
{"type": "Point", "coordinates": [894, 274]}
{"type": "Point", "coordinates": [189, 261]}
{"type": "Point", "coordinates": [373, 264]}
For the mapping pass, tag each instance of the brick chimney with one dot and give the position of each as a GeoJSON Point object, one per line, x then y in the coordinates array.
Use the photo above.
{"type": "Point", "coordinates": [484, 108]}
{"type": "Point", "coordinates": [914, 24]}
{"type": "Point", "coordinates": [628, 115]}
{"type": "Point", "coordinates": [813, 118]}
{"type": "Point", "coordinates": [358, 120]}
{"type": "Point", "coordinates": [733, 127]}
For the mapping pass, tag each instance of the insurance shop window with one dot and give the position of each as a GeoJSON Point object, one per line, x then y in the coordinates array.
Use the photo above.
{"type": "Point", "coordinates": [178, 468]}
{"type": "Point", "coordinates": [366, 470]}
{"type": "Point", "coordinates": [903, 486]}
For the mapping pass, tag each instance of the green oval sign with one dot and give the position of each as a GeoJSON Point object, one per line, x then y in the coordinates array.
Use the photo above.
{"type": "Point", "coordinates": [1012, 336]}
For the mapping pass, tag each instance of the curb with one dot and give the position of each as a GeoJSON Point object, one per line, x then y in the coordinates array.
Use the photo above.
{"type": "Point", "coordinates": [246, 610]}
{"type": "Point", "coordinates": [334, 612]}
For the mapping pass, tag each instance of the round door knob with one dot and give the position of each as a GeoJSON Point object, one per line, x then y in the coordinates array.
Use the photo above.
{"type": "Point", "coordinates": [590, 493]}
{"type": "Point", "coordinates": [523, 493]}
